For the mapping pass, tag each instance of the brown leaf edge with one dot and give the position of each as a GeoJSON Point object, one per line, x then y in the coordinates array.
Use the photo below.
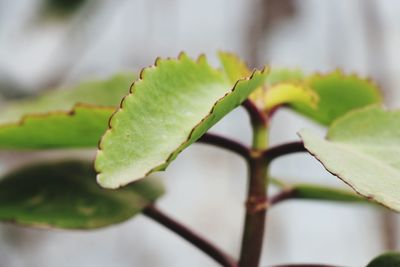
{"type": "Point", "coordinates": [236, 57]}
{"type": "Point", "coordinates": [367, 79]}
{"type": "Point", "coordinates": [67, 113]}
{"type": "Point", "coordinates": [369, 197]}
{"type": "Point", "coordinates": [200, 60]}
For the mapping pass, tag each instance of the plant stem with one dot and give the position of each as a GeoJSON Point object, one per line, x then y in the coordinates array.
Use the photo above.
{"type": "Point", "coordinates": [282, 196]}
{"type": "Point", "coordinates": [256, 115]}
{"type": "Point", "coordinates": [226, 143]}
{"type": "Point", "coordinates": [195, 239]}
{"type": "Point", "coordinates": [260, 137]}
{"type": "Point", "coordinates": [282, 150]}
{"type": "Point", "coordinates": [315, 192]}
{"type": "Point", "coordinates": [254, 225]}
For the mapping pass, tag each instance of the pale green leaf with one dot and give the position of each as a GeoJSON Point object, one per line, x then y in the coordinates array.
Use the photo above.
{"type": "Point", "coordinates": [234, 67]}
{"type": "Point", "coordinates": [66, 195]}
{"type": "Point", "coordinates": [338, 94]}
{"type": "Point", "coordinates": [66, 118]}
{"type": "Point", "coordinates": [288, 93]}
{"type": "Point", "coordinates": [170, 107]}
{"type": "Point", "coordinates": [285, 75]}
{"type": "Point", "coordinates": [363, 149]}
{"type": "Point", "coordinates": [388, 259]}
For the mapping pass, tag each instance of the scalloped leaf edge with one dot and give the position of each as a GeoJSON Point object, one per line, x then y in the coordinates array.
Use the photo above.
{"type": "Point", "coordinates": [67, 113]}
{"type": "Point", "coordinates": [369, 197]}
{"type": "Point", "coordinates": [200, 60]}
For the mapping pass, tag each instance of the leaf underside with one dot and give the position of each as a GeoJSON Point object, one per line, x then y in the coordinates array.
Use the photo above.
{"type": "Point", "coordinates": [363, 149]}
{"type": "Point", "coordinates": [170, 107]}
{"type": "Point", "coordinates": [63, 118]}
{"type": "Point", "coordinates": [66, 195]}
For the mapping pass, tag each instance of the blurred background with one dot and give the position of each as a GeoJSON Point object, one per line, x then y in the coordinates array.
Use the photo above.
{"type": "Point", "coordinates": [49, 43]}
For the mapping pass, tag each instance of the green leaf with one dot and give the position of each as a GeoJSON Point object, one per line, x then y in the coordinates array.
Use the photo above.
{"type": "Point", "coordinates": [284, 75]}
{"type": "Point", "coordinates": [362, 148]}
{"type": "Point", "coordinates": [234, 67]}
{"type": "Point", "coordinates": [282, 86]}
{"type": "Point", "coordinates": [105, 93]}
{"type": "Point", "coordinates": [66, 195]}
{"type": "Point", "coordinates": [318, 192]}
{"type": "Point", "coordinates": [388, 259]}
{"type": "Point", "coordinates": [170, 107]}
{"type": "Point", "coordinates": [82, 127]}
{"type": "Point", "coordinates": [338, 94]}
{"type": "Point", "coordinates": [62, 119]}
{"type": "Point", "coordinates": [287, 93]}
{"type": "Point", "coordinates": [61, 8]}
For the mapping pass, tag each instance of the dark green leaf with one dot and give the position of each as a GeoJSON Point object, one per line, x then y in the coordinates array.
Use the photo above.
{"type": "Point", "coordinates": [66, 195]}
{"type": "Point", "coordinates": [389, 259]}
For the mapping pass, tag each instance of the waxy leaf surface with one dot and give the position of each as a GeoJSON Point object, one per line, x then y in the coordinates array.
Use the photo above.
{"type": "Point", "coordinates": [170, 107]}
{"type": "Point", "coordinates": [76, 117]}
{"type": "Point", "coordinates": [66, 195]}
{"type": "Point", "coordinates": [363, 149]}
{"type": "Point", "coordinates": [338, 94]}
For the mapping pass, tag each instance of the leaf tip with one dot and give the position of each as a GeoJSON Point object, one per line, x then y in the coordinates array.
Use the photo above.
{"type": "Point", "coordinates": [201, 59]}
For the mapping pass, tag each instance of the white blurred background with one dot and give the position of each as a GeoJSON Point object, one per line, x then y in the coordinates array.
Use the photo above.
{"type": "Point", "coordinates": [42, 47]}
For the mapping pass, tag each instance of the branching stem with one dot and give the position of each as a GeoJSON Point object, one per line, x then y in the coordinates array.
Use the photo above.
{"type": "Point", "coordinates": [190, 236]}
{"type": "Point", "coordinates": [282, 150]}
{"type": "Point", "coordinates": [286, 194]}
{"type": "Point", "coordinates": [226, 143]}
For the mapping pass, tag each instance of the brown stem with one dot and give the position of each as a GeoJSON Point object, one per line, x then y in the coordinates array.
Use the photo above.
{"type": "Point", "coordinates": [282, 150]}
{"type": "Point", "coordinates": [282, 196]}
{"type": "Point", "coordinates": [254, 225]}
{"type": "Point", "coordinates": [253, 232]}
{"type": "Point", "coordinates": [256, 115]}
{"type": "Point", "coordinates": [195, 239]}
{"type": "Point", "coordinates": [225, 143]}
